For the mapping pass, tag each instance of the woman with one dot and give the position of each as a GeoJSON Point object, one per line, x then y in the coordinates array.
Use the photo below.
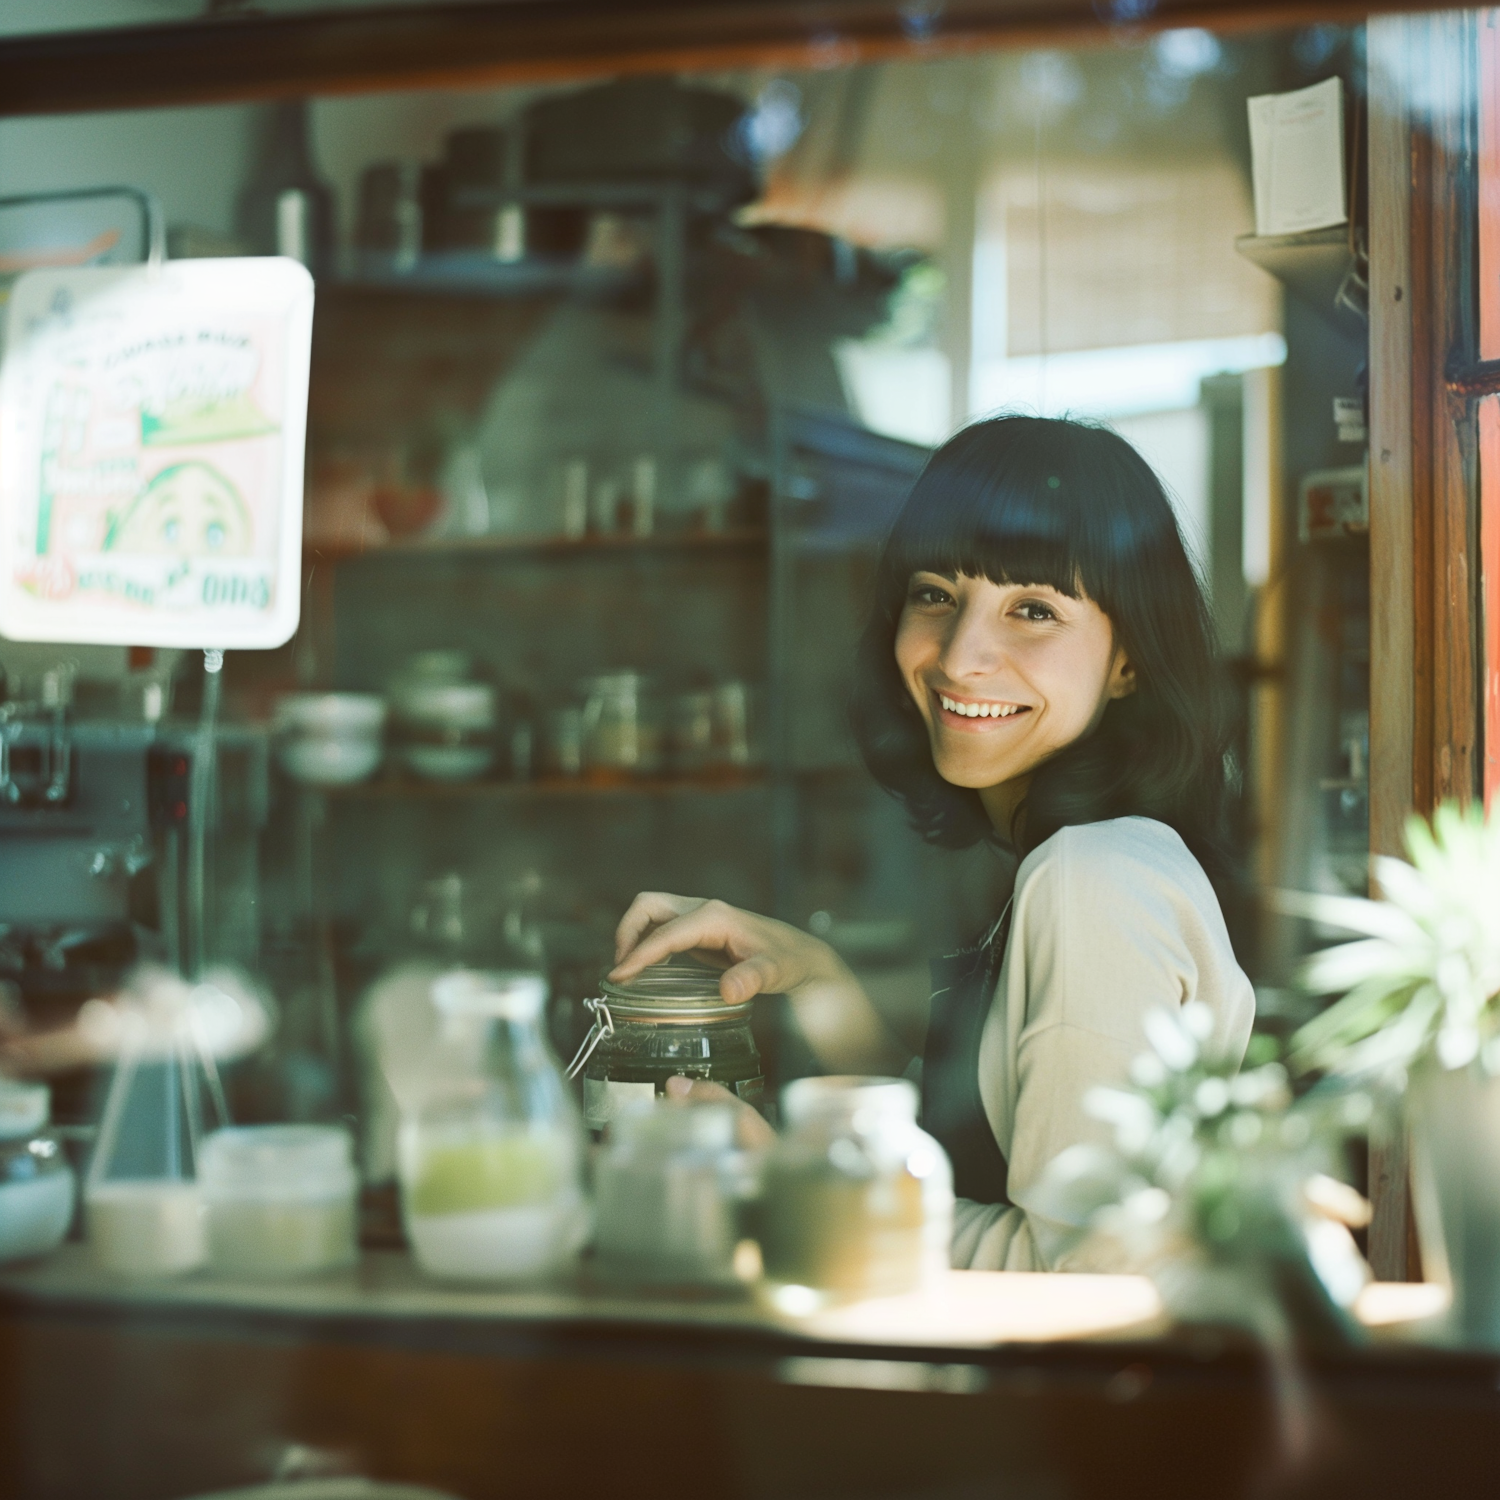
{"type": "Point", "coordinates": [1037, 670]}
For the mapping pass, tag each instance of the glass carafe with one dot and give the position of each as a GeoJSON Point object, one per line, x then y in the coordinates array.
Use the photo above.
{"type": "Point", "coordinates": [143, 1208]}
{"type": "Point", "coordinates": [491, 1158]}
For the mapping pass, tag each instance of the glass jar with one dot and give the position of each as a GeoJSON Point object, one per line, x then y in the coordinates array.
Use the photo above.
{"type": "Point", "coordinates": [858, 1199]}
{"type": "Point", "coordinates": [491, 1153]}
{"type": "Point", "coordinates": [36, 1183]}
{"type": "Point", "coordinates": [669, 1190]}
{"type": "Point", "coordinates": [621, 732]}
{"type": "Point", "coordinates": [280, 1199]}
{"type": "Point", "coordinates": [669, 1021]}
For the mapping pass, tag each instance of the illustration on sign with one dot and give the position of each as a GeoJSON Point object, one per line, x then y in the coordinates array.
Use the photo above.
{"type": "Point", "coordinates": [151, 438]}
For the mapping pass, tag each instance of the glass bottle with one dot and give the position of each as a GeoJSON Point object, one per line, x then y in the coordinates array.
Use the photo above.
{"type": "Point", "coordinates": [36, 1183]}
{"type": "Point", "coordinates": [858, 1199]}
{"type": "Point", "coordinates": [670, 1194]}
{"type": "Point", "coordinates": [491, 1158]}
{"type": "Point", "coordinates": [288, 208]}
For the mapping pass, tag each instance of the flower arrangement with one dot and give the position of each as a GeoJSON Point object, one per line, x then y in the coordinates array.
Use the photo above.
{"type": "Point", "coordinates": [1422, 983]}
{"type": "Point", "coordinates": [1218, 1184]}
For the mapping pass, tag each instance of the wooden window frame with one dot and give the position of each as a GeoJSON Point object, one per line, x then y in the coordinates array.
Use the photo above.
{"type": "Point", "coordinates": [1434, 557]}
{"type": "Point", "coordinates": [472, 44]}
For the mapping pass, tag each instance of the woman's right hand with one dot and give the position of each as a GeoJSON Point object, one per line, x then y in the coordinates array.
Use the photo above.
{"type": "Point", "coordinates": [764, 957]}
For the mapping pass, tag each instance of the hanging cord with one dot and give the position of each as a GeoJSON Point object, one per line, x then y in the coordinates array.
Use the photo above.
{"type": "Point", "coordinates": [1041, 260]}
{"type": "Point", "coordinates": [201, 780]}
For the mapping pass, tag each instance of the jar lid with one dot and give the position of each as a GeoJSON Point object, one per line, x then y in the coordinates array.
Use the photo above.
{"type": "Point", "coordinates": [279, 1159]}
{"type": "Point", "coordinates": [848, 1095]}
{"type": "Point", "coordinates": [661, 1126]}
{"type": "Point", "coordinates": [506, 995]}
{"type": "Point", "coordinates": [24, 1108]}
{"type": "Point", "coordinates": [682, 991]}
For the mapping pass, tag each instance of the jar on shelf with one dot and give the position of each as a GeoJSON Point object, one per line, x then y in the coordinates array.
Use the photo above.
{"type": "Point", "coordinates": [670, 1190]}
{"type": "Point", "coordinates": [858, 1200]}
{"type": "Point", "coordinates": [37, 1189]}
{"type": "Point", "coordinates": [491, 1155]}
{"type": "Point", "coordinates": [281, 1199]}
{"type": "Point", "coordinates": [621, 730]}
{"type": "Point", "coordinates": [669, 1021]}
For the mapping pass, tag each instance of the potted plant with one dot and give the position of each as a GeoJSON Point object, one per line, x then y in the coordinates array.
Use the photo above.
{"type": "Point", "coordinates": [1420, 1011]}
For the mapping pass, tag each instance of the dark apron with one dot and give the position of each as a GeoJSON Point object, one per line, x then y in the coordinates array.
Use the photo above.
{"type": "Point", "coordinates": [963, 989]}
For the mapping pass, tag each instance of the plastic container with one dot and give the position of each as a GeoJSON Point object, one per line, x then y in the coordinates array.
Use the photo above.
{"type": "Point", "coordinates": [37, 1190]}
{"type": "Point", "coordinates": [669, 1194]}
{"type": "Point", "coordinates": [858, 1200]}
{"type": "Point", "coordinates": [669, 1021]}
{"type": "Point", "coordinates": [281, 1199]}
{"type": "Point", "coordinates": [491, 1158]}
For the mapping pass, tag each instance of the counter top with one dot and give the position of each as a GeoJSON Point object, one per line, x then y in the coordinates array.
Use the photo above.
{"type": "Point", "coordinates": [1071, 1386]}
{"type": "Point", "coordinates": [967, 1310]}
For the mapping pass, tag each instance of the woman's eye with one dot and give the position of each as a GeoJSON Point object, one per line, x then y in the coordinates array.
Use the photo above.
{"type": "Point", "coordinates": [930, 594]}
{"type": "Point", "coordinates": [1034, 609]}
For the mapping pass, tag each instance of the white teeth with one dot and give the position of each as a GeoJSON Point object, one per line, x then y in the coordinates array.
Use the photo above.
{"type": "Point", "coordinates": [979, 710]}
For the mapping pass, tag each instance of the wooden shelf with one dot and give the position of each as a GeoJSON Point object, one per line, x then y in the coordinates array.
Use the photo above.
{"type": "Point", "coordinates": [406, 789]}
{"type": "Point", "coordinates": [554, 546]}
{"type": "Point", "coordinates": [1316, 265]}
{"type": "Point", "coordinates": [464, 273]}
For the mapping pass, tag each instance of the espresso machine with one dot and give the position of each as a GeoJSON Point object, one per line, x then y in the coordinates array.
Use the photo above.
{"type": "Point", "coordinates": [97, 819]}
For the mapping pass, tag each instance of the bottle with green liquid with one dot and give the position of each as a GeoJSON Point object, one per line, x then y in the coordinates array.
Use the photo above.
{"type": "Point", "coordinates": [491, 1161]}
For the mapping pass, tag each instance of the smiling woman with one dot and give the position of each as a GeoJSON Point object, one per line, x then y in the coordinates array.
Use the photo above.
{"type": "Point", "coordinates": [1037, 672]}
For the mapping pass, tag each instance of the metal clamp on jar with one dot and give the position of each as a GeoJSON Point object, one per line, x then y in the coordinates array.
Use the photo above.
{"type": "Point", "coordinates": [669, 1021]}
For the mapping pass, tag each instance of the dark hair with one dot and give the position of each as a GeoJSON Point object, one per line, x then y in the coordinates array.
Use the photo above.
{"type": "Point", "coordinates": [1032, 500]}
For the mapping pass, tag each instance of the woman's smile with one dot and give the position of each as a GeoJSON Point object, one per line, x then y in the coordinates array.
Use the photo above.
{"type": "Point", "coordinates": [1004, 675]}
{"type": "Point", "coordinates": [976, 715]}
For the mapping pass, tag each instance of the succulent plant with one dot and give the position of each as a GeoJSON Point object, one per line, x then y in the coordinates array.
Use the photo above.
{"type": "Point", "coordinates": [1422, 983]}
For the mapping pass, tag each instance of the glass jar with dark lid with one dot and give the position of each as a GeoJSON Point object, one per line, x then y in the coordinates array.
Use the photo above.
{"type": "Point", "coordinates": [669, 1021]}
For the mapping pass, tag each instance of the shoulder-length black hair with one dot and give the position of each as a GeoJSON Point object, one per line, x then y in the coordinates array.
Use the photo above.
{"type": "Point", "coordinates": [1032, 500]}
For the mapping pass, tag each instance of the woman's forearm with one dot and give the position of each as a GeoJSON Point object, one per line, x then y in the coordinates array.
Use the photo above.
{"type": "Point", "coordinates": [843, 1028]}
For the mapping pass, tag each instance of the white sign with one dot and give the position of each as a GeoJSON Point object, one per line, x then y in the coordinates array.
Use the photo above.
{"type": "Point", "coordinates": [152, 425]}
{"type": "Point", "coordinates": [1297, 159]}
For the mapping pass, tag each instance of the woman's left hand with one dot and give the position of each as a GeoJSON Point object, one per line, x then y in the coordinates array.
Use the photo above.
{"type": "Point", "coordinates": [751, 1129]}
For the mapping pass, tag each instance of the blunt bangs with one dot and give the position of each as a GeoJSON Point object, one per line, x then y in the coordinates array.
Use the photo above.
{"type": "Point", "coordinates": [1048, 508]}
{"type": "Point", "coordinates": [1033, 501]}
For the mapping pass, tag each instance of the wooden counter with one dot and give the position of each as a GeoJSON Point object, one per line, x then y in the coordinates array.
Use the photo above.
{"type": "Point", "coordinates": [992, 1385]}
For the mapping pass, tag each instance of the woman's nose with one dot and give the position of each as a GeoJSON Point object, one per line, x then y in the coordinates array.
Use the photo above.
{"type": "Point", "coordinates": [974, 647]}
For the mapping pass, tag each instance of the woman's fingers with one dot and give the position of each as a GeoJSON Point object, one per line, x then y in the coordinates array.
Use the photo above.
{"type": "Point", "coordinates": [751, 1128]}
{"type": "Point", "coordinates": [759, 974]}
{"type": "Point", "coordinates": [711, 925]}
{"type": "Point", "coordinates": [649, 909]}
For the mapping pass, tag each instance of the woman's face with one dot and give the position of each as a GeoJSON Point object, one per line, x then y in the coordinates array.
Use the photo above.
{"type": "Point", "coordinates": [1004, 676]}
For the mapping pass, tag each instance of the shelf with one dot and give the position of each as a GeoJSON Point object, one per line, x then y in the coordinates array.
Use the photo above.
{"type": "Point", "coordinates": [742, 539]}
{"type": "Point", "coordinates": [398, 789]}
{"type": "Point", "coordinates": [1318, 265]}
{"type": "Point", "coordinates": [471, 273]}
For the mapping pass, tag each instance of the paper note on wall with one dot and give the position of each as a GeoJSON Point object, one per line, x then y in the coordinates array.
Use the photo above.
{"type": "Point", "coordinates": [152, 425]}
{"type": "Point", "coordinates": [1297, 159]}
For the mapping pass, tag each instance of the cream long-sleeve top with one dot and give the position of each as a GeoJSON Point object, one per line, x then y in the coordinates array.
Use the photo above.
{"type": "Point", "coordinates": [1109, 922]}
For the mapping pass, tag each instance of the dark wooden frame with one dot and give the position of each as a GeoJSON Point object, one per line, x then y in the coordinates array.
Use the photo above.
{"type": "Point", "coordinates": [1426, 665]}
{"type": "Point", "coordinates": [1426, 700]}
{"type": "Point", "coordinates": [471, 45]}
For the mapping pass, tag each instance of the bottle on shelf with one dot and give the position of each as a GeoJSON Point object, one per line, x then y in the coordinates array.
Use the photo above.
{"type": "Point", "coordinates": [287, 209]}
